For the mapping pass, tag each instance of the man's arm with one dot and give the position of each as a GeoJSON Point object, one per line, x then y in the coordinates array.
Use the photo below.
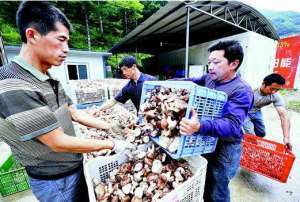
{"type": "Point", "coordinates": [285, 125]}
{"type": "Point", "coordinates": [108, 104]}
{"type": "Point", "coordinates": [234, 114]}
{"type": "Point", "coordinates": [87, 120]}
{"type": "Point", "coordinates": [60, 142]}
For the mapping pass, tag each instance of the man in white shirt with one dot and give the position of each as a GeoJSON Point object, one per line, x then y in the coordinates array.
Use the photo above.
{"type": "Point", "coordinates": [263, 96]}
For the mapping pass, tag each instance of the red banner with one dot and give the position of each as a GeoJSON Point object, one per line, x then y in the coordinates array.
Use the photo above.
{"type": "Point", "coordinates": [287, 58]}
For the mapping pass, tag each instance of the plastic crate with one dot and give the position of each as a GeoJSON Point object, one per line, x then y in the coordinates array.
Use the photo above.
{"type": "Point", "coordinates": [190, 191]}
{"type": "Point", "coordinates": [208, 104]}
{"type": "Point", "coordinates": [88, 97]}
{"type": "Point", "coordinates": [266, 157]}
{"type": "Point", "coordinates": [6, 157]}
{"type": "Point", "coordinates": [7, 164]}
{"type": "Point", "coordinates": [13, 181]}
{"type": "Point", "coordinates": [88, 105]}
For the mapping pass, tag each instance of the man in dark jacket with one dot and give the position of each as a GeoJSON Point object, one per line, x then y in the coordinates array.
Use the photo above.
{"type": "Point", "coordinates": [224, 60]}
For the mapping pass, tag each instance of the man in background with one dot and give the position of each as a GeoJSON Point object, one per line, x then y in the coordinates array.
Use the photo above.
{"type": "Point", "coordinates": [267, 94]}
{"type": "Point", "coordinates": [133, 89]}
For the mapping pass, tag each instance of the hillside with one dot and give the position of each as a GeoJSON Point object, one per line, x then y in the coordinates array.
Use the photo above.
{"type": "Point", "coordinates": [286, 23]}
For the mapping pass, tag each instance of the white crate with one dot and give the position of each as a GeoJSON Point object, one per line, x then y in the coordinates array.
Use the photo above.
{"type": "Point", "coordinates": [88, 91]}
{"type": "Point", "coordinates": [190, 191]}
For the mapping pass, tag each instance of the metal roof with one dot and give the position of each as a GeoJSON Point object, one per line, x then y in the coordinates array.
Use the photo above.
{"type": "Point", "coordinates": [165, 30]}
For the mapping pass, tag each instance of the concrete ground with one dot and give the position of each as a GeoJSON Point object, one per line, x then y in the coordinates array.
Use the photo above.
{"type": "Point", "coordinates": [247, 186]}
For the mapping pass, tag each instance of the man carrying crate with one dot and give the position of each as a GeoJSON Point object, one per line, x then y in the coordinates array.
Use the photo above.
{"type": "Point", "coordinates": [133, 89]}
{"type": "Point", "coordinates": [35, 113]}
{"type": "Point", "coordinates": [224, 60]}
{"type": "Point", "coordinates": [266, 94]}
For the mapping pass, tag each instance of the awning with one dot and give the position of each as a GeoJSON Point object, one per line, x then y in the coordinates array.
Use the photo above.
{"type": "Point", "coordinates": [165, 30]}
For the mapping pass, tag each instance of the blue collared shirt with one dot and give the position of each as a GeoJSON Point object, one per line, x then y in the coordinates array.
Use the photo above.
{"type": "Point", "coordinates": [240, 101]}
{"type": "Point", "coordinates": [133, 90]}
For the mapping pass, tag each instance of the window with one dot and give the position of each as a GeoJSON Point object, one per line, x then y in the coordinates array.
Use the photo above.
{"type": "Point", "coordinates": [77, 71]}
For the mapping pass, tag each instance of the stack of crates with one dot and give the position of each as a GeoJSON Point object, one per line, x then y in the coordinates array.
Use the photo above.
{"type": "Point", "coordinates": [13, 177]}
{"type": "Point", "coordinates": [208, 104]}
{"type": "Point", "coordinates": [6, 157]}
{"type": "Point", "coordinates": [88, 91]}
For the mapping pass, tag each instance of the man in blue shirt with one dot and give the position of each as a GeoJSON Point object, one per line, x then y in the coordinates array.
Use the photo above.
{"type": "Point", "coordinates": [133, 89]}
{"type": "Point", "coordinates": [224, 60]}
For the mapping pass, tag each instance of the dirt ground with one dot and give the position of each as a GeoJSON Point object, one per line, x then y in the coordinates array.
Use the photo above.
{"type": "Point", "coordinates": [247, 186]}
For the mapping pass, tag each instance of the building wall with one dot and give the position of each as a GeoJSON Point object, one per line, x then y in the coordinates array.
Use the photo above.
{"type": "Point", "coordinates": [259, 54]}
{"type": "Point", "coordinates": [94, 63]}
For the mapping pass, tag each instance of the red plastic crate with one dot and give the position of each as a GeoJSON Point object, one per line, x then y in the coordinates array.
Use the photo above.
{"type": "Point", "coordinates": [266, 157]}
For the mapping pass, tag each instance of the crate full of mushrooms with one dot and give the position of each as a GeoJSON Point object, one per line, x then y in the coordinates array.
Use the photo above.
{"type": "Point", "coordinates": [145, 175]}
{"type": "Point", "coordinates": [165, 103]}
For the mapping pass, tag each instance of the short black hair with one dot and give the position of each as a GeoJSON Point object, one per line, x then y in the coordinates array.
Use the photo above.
{"type": "Point", "coordinates": [39, 15]}
{"type": "Point", "coordinates": [128, 61]}
{"type": "Point", "coordinates": [232, 50]}
{"type": "Point", "coordinates": [273, 78]}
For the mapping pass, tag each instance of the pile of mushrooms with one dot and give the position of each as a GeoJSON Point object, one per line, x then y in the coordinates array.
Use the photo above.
{"type": "Point", "coordinates": [117, 116]}
{"type": "Point", "coordinates": [162, 111]}
{"type": "Point", "coordinates": [147, 176]}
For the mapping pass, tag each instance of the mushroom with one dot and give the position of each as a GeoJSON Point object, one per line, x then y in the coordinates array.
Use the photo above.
{"type": "Point", "coordinates": [156, 166]}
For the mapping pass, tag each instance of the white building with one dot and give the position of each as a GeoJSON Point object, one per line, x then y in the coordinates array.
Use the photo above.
{"type": "Point", "coordinates": [78, 65]}
{"type": "Point", "coordinates": [257, 63]}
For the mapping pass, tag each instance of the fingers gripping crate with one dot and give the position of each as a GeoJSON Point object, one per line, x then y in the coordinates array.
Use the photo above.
{"type": "Point", "coordinates": [266, 157]}
{"type": "Point", "coordinates": [208, 104]}
{"type": "Point", "coordinates": [190, 191]}
{"type": "Point", "coordinates": [14, 180]}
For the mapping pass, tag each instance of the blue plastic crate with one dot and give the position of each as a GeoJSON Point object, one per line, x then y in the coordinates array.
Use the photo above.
{"type": "Point", "coordinates": [208, 104]}
{"type": "Point", "coordinates": [88, 105]}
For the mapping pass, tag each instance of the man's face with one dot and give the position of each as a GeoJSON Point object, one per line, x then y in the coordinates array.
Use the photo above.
{"type": "Point", "coordinates": [271, 89]}
{"type": "Point", "coordinates": [219, 69]}
{"type": "Point", "coordinates": [52, 49]}
{"type": "Point", "coordinates": [128, 72]}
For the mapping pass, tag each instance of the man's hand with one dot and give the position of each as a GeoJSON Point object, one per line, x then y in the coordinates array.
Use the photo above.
{"type": "Point", "coordinates": [190, 126]}
{"type": "Point", "coordinates": [121, 145]}
{"type": "Point", "coordinates": [286, 141]}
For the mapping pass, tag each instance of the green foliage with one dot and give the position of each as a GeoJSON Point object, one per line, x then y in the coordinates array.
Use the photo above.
{"type": "Point", "coordinates": [294, 105]}
{"type": "Point", "coordinates": [289, 92]}
{"type": "Point", "coordinates": [286, 23]}
{"type": "Point", "coordinates": [117, 18]}
{"type": "Point", "coordinates": [114, 60]}
{"type": "Point", "coordinates": [10, 34]}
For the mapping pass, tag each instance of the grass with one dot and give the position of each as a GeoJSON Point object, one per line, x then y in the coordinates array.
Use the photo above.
{"type": "Point", "coordinates": [294, 105]}
{"type": "Point", "coordinates": [288, 91]}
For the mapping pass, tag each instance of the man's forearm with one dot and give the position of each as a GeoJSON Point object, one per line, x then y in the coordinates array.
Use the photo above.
{"type": "Point", "coordinates": [60, 142]}
{"type": "Point", "coordinates": [108, 104]}
{"type": "Point", "coordinates": [285, 121]}
{"type": "Point", "coordinates": [285, 125]}
{"type": "Point", "coordinates": [85, 119]}
{"type": "Point", "coordinates": [88, 120]}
